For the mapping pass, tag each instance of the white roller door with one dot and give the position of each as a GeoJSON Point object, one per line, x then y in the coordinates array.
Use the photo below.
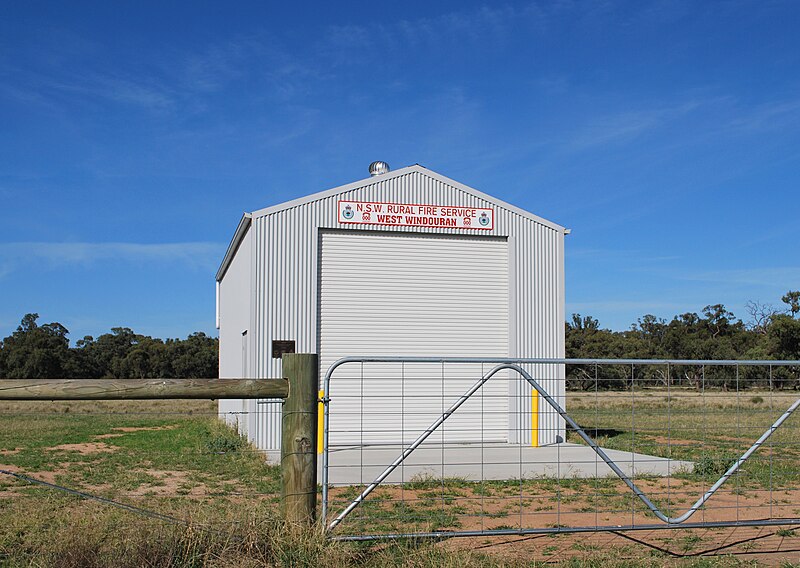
{"type": "Point", "coordinates": [412, 294]}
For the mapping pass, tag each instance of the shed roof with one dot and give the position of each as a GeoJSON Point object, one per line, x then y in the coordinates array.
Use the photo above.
{"type": "Point", "coordinates": [397, 173]}
{"type": "Point", "coordinates": [247, 218]}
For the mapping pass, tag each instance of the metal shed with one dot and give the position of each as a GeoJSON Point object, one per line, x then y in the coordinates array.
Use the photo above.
{"type": "Point", "coordinates": [407, 262]}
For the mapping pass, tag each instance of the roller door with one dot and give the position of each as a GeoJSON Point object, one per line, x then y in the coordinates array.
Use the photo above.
{"type": "Point", "coordinates": [413, 294]}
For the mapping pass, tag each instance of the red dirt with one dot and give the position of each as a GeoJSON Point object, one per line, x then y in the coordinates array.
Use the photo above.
{"type": "Point", "coordinates": [46, 476]}
{"type": "Point", "coordinates": [541, 507]}
{"type": "Point", "coordinates": [761, 544]}
{"type": "Point", "coordinates": [144, 428]}
{"type": "Point", "coordinates": [85, 448]}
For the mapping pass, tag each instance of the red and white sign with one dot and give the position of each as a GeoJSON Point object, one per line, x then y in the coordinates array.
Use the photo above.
{"type": "Point", "coordinates": [412, 215]}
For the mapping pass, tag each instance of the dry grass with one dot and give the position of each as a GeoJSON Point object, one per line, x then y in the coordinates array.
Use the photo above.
{"type": "Point", "coordinates": [175, 458]}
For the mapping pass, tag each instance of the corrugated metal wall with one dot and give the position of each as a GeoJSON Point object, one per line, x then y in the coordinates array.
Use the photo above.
{"type": "Point", "coordinates": [285, 256]}
{"type": "Point", "coordinates": [235, 313]}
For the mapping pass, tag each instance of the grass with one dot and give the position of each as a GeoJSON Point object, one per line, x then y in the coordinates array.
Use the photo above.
{"type": "Point", "coordinates": [178, 459]}
{"type": "Point", "coordinates": [151, 456]}
{"type": "Point", "coordinates": [711, 429]}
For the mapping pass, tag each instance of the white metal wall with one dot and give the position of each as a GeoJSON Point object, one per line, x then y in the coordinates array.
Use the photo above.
{"type": "Point", "coordinates": [285, 257]}
{"type": "Point", "coordinates": [410, 294]}
{"type": "Point", "coordinates": [234, 320]}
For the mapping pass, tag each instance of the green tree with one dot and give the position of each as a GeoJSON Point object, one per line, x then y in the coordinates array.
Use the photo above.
{"type": "Point", "coordinates": [36, 352]}
{"type": "Point", "coordinates": [195, 357]}
{"type": "Point", "coordinates": [651, 333]}
{"type": "Point", "coordinates": [81, 363]}
{"type": "Point", "coordinates": [784, 343]}
{"type": "Point", "coordinates": [3, 370]}
{"type": "Point", "coordinates": [792, 299]}
{"type": "Point", "coordinates": [144, 360]}
{"type": "Point", "coordinates": [585, 340]}
{"type": "Point", "coordinates": [785, 337]}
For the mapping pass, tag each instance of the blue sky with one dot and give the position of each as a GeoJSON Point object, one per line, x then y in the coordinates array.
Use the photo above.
{"type": "Point", "coordinates": [132, 137]}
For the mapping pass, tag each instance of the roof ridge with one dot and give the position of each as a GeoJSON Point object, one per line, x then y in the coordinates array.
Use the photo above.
{"type": "Point", "coordinates": [397, 173]}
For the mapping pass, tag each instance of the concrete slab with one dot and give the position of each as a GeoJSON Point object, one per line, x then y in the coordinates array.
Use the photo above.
{"type": "Point", "coordinates": [353, 465]}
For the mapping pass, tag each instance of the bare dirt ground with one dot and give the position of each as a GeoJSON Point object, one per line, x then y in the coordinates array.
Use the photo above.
{"type": "Point", "coordinates": [767, 546]}
{"type": "Point", "coordinates": [513, 509]}
{"type": "Point", "coordinates": [122, 430]}
{"type": "Point", "coordinates": [48, 476]}
{"type": "Point", "coordinates": [85, 448]}
{"type": "Point", "coordinates": [163, 483]}
{"type": "Point", "coordinates": [170, 484]}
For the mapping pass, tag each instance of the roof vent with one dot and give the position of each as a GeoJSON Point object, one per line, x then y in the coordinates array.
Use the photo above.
{"type": "Point", "coordinates": [378, 168]}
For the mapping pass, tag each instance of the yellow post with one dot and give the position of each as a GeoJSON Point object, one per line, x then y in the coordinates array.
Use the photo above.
{"type": "Point", "coordinates": [320, 422]}
{"type": "Point", "coordinates": [535, 419]}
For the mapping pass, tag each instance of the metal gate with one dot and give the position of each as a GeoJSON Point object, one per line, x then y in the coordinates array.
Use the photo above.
{"type": "Point", "coordinates": [648, 444]}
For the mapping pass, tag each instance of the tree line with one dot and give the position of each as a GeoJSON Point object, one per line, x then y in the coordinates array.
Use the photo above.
{"type": "Point", "coordinates": [43, 351]}
{"type": "Point", "coordinates": [715, 334]}
{"type": "Point", "coordinates": [36, 351]}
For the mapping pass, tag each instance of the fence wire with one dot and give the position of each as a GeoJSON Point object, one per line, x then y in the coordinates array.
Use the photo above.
{"type": "Point", "coordinates": [421, 447]}
{"type": "Point", "coordinates": [500, 465]}
{"type": "Point", "coordinates": [65, 464]}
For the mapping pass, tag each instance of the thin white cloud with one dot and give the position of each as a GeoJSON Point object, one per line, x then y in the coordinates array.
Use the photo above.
{"type": "Point", "coordinates": [626, 126]}
{"type": "Point", "coordinates": [485, 26]}
{"type": "Point", "coordinates": [151, 96]}
{"type": "Point", "coordinates": [177, 81]}
{"type": "Point", "coordinates": [477, 25]}
{"type": "Point", "coordinates": [255, 57]}
{"type": "Point", "coordinates": [773, 115]}
{"type": "Point", "coordinates": [48, 89]}
{"type": "Point", "coordinates": [209, 70]}
{"type": "Point", "coordinates": [23, 95]}
{"type": "Point", "coordinates": [780, 232]}
{"type": "Point", "coordinates": [197, 255]}
{"type": "Point", "coordinates": [786, 276]}
{"type": "Point", "coordinates": [616, 254]}
{"type": "Point", "coordinates": [621, 305]}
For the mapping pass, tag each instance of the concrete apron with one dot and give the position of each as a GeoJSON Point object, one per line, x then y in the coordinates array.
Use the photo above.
{"type": "Point", "coordinates": [353, 465]}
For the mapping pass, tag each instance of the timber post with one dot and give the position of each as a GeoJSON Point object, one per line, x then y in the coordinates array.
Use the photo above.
{"type": "Point", "coordinates": [299, 439]}
{"type": "Point", "coordinates": [141, 389]}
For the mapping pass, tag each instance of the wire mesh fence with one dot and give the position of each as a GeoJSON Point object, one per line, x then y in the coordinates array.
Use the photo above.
{"type": "Point", "coordinates": [504, 462]}
{"type": "Point", "coordinates": [432, 447]}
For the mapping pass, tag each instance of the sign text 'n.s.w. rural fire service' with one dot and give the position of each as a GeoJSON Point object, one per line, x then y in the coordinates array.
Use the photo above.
{"type": "Point", "coordinates": [413, 215]}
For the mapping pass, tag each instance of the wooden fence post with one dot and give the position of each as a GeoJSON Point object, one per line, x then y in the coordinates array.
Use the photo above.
{"type": "Point", "coordinates": [141, 389]}
{"type": "Point", "coordinates": [299, 438]}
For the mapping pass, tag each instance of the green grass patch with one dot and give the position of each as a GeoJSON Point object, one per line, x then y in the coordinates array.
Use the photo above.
{"type": "Point", "coordinates": [178, 459]}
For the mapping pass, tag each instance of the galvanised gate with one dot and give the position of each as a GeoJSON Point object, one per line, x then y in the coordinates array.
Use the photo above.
{"type": "Point", "coordinates": [649, 444]}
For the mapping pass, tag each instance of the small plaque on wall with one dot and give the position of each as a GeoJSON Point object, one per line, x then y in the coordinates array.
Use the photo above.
{"type": "Point", "coordinates": [281, 346]}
